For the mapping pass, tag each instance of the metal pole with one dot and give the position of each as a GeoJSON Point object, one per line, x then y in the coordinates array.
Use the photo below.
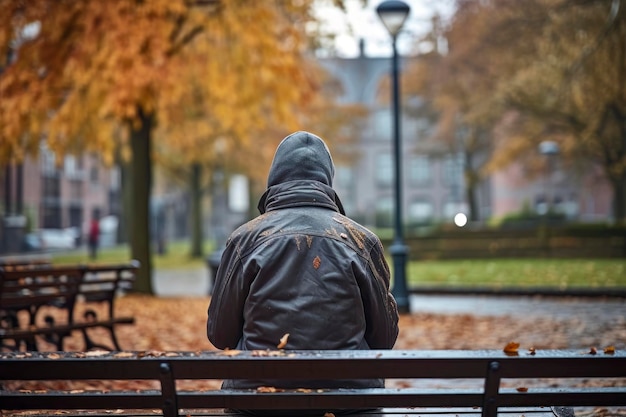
{"type": "Point", "coordinates": [398, 249]}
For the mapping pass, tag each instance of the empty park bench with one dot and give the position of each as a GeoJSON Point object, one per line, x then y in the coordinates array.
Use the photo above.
{"type": "Point", "coordinates": [27, 296]}
{"type": "Point", "coordinates": [533, 383]}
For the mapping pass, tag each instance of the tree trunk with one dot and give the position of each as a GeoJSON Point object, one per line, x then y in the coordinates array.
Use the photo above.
{"type": "Point", "coordinates": [126, 212]}
{"type": "Point", "coordinates": [619, 199]}
{"type": "Point", "coordinates": [471, 201]}
{"type": "Point", "coordinates": [471, 183]}
{"type": "Point", "coordinates": [141, 186]}
{"type": "Point", "coordinates": [196, 211]}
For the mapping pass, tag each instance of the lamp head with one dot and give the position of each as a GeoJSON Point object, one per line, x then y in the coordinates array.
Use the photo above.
{"type": "Point", "coordinates": [393, 14]}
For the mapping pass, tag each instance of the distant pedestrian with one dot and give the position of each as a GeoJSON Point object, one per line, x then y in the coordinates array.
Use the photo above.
{"type": "Point", "coordinates": [93, 238]}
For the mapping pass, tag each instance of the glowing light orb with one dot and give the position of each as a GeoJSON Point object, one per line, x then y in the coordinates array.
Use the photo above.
{"type": "Point", "coordinates": [460, 219]}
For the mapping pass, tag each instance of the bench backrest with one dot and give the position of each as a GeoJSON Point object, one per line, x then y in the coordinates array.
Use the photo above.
{"type": "Point", "coordinates": [490, 368]}
{"type": "Point", "coordinates": [36, 286]}
{"type": "Point", "coordinates": [39, 282]}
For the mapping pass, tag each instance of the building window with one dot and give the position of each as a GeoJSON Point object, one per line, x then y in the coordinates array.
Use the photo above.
{"type": "Point", "coordinates": [421, 211]}
{"type": "Point", "coordinates": [384, 171]}
{"type": "Point", "coordinates": [384, 212]}
{"type": "Point", "coordinates": [73, 167]}
{"type": "Point", "coordinates": [115, 178]}
{"type": "Point", "coordinates": [70, 165]}
{"type": "Point", "coordinates": [419, 169]}
{"type": "Point", "coordinates": [94, 175]}
{"type": "Point", "coordinates": [452, 170]}
{"type": "Point", "coordinates": [344, 177]}
{"type": "Point", "coordinates": [48, 163]}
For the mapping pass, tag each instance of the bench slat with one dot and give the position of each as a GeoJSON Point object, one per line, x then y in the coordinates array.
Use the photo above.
{"type": "Point", "coordinates": [323, 400]}
{"type": "Point", "coordinates": [321, 364]}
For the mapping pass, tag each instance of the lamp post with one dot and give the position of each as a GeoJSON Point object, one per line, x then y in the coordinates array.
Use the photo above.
{"type": "Point", "coordinates": [550, 150]}
{"type": "Point", "coordinates": [393, 14]}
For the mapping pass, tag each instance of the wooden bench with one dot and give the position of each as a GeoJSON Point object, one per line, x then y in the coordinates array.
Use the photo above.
{"type": "Point", "coordinates": [25, 291]}
{"type": "Point", "coordinates": [456, 383]}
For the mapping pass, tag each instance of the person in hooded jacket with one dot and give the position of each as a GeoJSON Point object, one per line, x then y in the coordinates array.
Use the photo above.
{"type": "Point", "coordinates": [302, 269]}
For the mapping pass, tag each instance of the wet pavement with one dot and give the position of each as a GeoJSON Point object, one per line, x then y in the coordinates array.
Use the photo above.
{"type": "Point", "coordinates": [595, 309]}
{"type": "Point", "coordinates": [195, 283]}
{"type": "Point", "coordinates": [181, 282]}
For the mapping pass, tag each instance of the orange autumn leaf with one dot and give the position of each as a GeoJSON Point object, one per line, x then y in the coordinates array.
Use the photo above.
{"type": "Point", "coordinates": [231, 352]}
{"type": "Point", "coordinates": [317, 262]}
{"type": "Point", "coordinates": [96, 353]}
{"type": "Point", "coordinates": [268, 389]}
{"type": "Point", "coordinates": [593, 350]}
{"type": "Point", "coordinates": [522, 389]}
{"type": "Point", "coordinates": [609, 350]}
{"type": "Point", "coordinates": [283, 341]}
{"type": "Point", "coordinates": [511, 347]}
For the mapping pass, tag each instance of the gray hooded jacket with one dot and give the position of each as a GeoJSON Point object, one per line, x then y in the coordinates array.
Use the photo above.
{"type": "Point", "coordinates": [303, 268]}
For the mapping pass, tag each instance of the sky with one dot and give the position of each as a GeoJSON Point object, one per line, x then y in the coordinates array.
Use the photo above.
{"type": "Point", "coordinates": [364, 23]}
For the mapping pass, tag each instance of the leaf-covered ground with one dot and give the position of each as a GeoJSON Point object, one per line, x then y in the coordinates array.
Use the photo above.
{"type": "Point", "coordinates": [178, 324]}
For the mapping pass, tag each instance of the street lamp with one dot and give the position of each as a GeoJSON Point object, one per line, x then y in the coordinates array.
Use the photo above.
{"type": "Point", "coordinates": [393, 14]}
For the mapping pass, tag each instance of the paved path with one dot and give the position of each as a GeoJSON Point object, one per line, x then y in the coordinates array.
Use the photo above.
{"type": "Point", "coordinates": [195, 283]}
{"type": "Point", "coordinates": [600, 309]}
{"type": "Point", "coordinates": [181, 282]}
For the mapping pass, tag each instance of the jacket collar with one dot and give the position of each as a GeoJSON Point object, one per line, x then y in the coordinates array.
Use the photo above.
{"type": "Point", "coordinates": [300, 193]}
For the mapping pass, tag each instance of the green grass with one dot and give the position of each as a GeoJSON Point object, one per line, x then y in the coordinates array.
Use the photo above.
{"type": "Point", "coordinates": [176, 257]}
{"type": "Point", "coordinates": [562, 273]}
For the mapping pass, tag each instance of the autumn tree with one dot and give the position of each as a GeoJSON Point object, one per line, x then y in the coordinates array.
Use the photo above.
{"type": "Point", "coordinates": [551, 69]}
{"type": "Point", "coordinates": [455, 86]}
{"type": "Point", "coordinates": [95, 66]}
{"type": "Point", "coordinates": [573, 86]}
{"type": "Point", "coordinates": [233, 124]}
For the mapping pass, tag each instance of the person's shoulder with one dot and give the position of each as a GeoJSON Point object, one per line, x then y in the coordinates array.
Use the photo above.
{"type": "Point", "coordinates": [250, 228]}
{"type": "Point", "coordinates": [355, 228]}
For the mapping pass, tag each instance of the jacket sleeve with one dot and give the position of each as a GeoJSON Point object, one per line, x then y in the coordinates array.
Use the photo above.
{"type": "Point", "coordinates": [225, 314]}
{"type": "Point", "coordinates": [381, 311]}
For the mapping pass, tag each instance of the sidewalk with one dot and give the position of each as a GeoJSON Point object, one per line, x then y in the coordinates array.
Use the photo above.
{"type": "Point", "coordinates": [187, 282]}
{"type": "Point", "coordinates": [195, 283]}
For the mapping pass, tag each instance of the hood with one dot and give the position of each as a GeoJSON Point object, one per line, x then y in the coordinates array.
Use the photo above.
{"type": "Point", "coordinates": [301, 156]}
